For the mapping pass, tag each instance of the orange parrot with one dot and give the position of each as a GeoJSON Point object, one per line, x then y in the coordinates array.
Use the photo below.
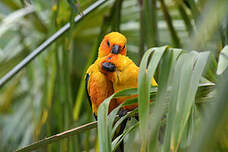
{"type": "Point", "coordinates": [123, 73]}
{"type": "Point", "coordinates": [98, 87]}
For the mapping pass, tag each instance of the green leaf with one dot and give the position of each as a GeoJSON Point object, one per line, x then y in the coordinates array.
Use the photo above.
{"type": "Point", "coordinates": [214, 122]}
{"type": "Point", "coordinates": [126, 92]}
{"type": "Point", "coordinates": [117, 124]}
{"type": "Point", "coordinates": [165, 68]}
{"type": "Point", "coordinates": [118, 140]}
{"type": "Point", "coordinates": [187, 74]}
{"type": "Point", "coordinates": [104, 133]}
{"type": "Point", "coordinates": [174, 35]}
{"type": "Point", "coordinates": [105, 121]}
{"type": "Point", "coordinates": [150, 23]}
{"type": "Point", "coordinates": [144, 83]}
{"type": "Point", "coordinates": [223, 60]}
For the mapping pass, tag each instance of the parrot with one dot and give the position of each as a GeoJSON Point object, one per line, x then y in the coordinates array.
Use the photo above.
{"type": "Point", "coordinates": [123, 73]}
{"type": "Point", "coordinates": [97, 86]}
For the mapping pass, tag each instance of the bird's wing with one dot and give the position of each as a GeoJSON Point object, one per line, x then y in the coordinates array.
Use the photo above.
{"type": "Point", "coordinates": [87, 91]}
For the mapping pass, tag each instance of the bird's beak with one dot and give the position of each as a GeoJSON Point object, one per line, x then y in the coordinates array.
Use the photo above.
{"type": "Point", "coordinates": [116, 49]}
{"type": "Point", "coordinates": [108, 66]}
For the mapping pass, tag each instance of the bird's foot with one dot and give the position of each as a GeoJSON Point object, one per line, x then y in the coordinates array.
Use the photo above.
{"type": "Point", "coordinates": [122, 112]}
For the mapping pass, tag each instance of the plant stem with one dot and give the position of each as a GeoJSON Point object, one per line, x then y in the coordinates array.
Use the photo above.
{"type": "Point", "coordinates": [185, 18]}
{"type": "Point", "coordinates": [141, 37]}
{"type": "Point", "coordinates": [116, 19]}
{"type": "Point", "coordinates": [168, 19]}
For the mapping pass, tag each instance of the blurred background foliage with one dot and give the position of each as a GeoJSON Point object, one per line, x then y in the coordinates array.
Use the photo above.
{"type": "Point", "coordinates": [47, 97]}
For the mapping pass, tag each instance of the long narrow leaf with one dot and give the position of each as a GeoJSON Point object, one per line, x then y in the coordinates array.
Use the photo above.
{"type": "Point", "coordinates": [144, 80]}
{"type": "Point", "coordinates": [166, 66]}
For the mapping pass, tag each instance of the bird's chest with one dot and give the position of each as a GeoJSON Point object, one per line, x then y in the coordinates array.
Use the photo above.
{"type": "Point", "coordinates": [124, 80]}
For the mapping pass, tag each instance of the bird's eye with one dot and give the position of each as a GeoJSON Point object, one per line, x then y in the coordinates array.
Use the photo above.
{"type": "Point", "coordinates": [108, 43]}
{"type": "Point", "coordinates": [124, 47]}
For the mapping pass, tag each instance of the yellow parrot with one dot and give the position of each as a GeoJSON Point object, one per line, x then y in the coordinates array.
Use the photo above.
{"type": "Point", "coordinates": [97, 86]}
{"type": "Point", "coordinates": [123, 73]}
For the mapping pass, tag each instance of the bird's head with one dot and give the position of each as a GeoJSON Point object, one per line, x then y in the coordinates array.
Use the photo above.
{"type": "Point", "coordinates": [113, 64]}
{"type": "Point", "coordinates": [107, 64]}
{"type": "Point", "coordinates": [114, 43]}
{"type": "Point", "coordinates": [108, 67]}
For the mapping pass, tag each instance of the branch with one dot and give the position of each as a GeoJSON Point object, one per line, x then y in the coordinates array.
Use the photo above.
{"type": "Point", "coordinates": [58, 137]}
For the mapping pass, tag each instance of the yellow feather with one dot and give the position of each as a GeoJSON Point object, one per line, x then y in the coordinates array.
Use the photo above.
{"type": "Point", "coordinates": [125, 75]}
